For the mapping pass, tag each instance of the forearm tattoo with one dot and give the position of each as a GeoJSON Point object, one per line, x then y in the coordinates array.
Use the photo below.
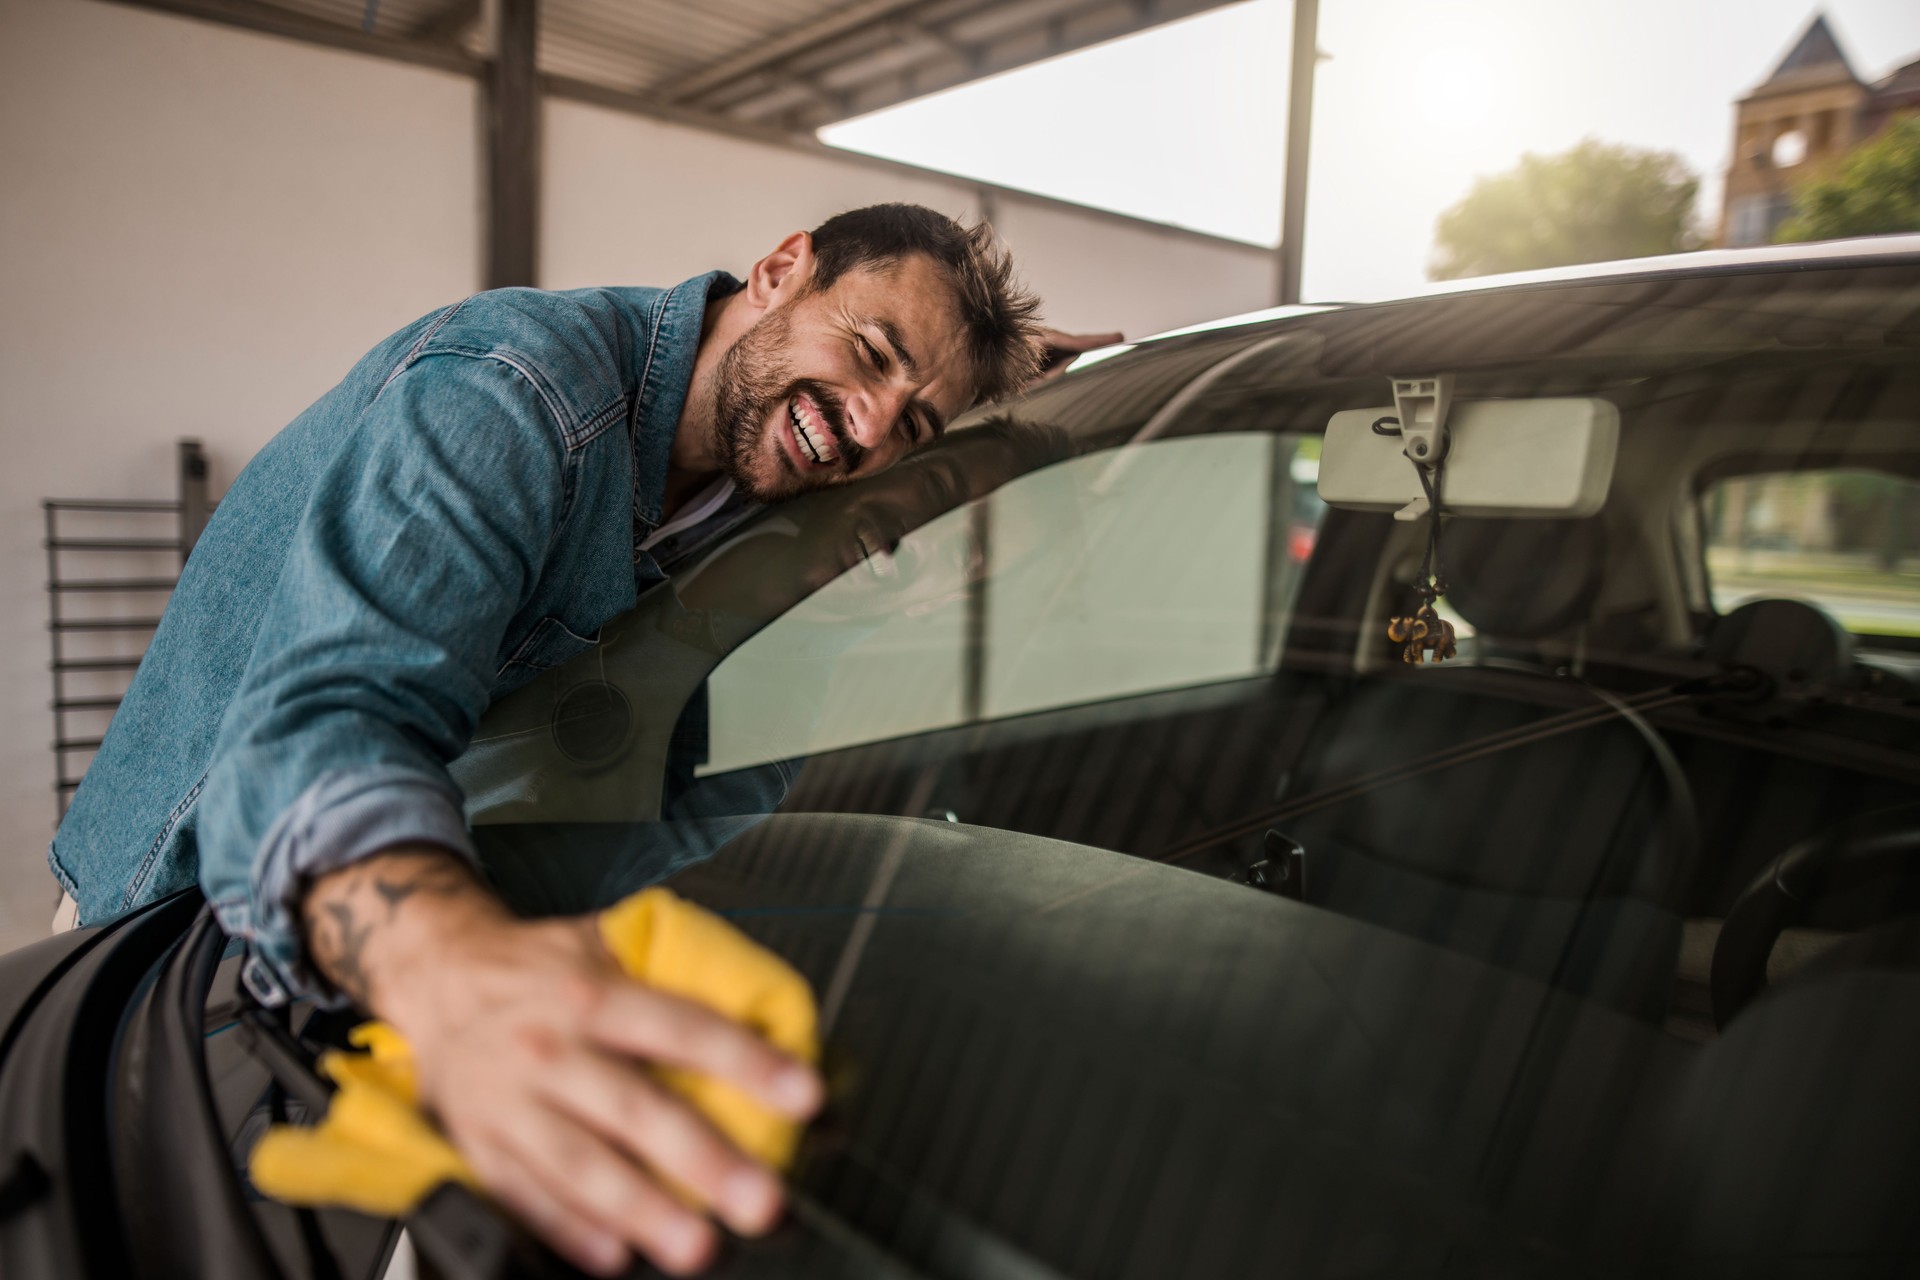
{"type": "Point", "coordinates": [344, 910]}
{"type": "Point", "coordinates": [341, 960]}
{"type": "Point", "coordinates": [440, 878]}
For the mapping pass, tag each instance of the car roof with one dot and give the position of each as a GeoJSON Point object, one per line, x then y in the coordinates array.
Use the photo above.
{"type": "Point", "coordinates": [1860, 251]}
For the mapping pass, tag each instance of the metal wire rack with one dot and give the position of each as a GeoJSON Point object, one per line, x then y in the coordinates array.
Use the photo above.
{"type": "Point", "coordinates": [108, 582]}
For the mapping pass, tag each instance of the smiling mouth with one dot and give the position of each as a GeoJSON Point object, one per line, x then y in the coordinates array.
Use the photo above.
{"type": "Point", "coordinates": [816, 441]}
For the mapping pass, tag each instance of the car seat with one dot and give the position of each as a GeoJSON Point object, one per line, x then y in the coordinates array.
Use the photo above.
{"type": "Point", "coordinates": [1530, 824]}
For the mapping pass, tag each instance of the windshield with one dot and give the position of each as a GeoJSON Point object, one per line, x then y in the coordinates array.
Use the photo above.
{"type": "Point", "coordinates": [1073, 761]}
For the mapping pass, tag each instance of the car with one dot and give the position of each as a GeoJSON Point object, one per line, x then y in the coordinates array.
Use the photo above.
{"type": "Point", "coordinates": [1166, 919]}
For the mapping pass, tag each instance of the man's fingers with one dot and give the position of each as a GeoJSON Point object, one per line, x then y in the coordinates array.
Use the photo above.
{"type": "Point", "coordinates": [593, 1181]}
{"type": "Point", "coordinates": [573, 1235]}
{"type": "Point", "coordinates": [613, 1097]}
{"type": "Point", "coordinates": [1058, 350]}
{"type": "Point", "coordinates": [1054, 340]}
{"type": "Point", "coordinates": [645, 1023]}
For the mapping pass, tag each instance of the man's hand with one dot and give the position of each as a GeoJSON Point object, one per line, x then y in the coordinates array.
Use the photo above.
{"type": "Point", "coordinates": [1058, 350]}
{"type": "Point", "coordinates": [530, 1045]}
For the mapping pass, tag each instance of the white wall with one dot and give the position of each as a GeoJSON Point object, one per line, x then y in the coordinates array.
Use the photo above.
{"type": "Point", "coordinates": [1098, 274]}
{"type": "Point", "coordinates": [630, 200]}
{"type": "Point", "coordinates": [634, 200]}
{"type": "Point", "coordinates": [201, 228]}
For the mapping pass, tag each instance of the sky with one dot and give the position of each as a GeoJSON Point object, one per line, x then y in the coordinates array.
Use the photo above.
{"type": "Point", "coordinates": [1186, 123]}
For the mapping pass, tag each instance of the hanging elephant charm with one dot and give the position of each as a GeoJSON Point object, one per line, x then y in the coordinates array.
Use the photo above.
{"type": "Point", "coordinates": [1424, 634]}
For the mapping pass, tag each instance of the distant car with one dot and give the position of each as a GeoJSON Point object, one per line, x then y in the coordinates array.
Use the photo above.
{"type": "Point", "coordinates": [1167, 923]}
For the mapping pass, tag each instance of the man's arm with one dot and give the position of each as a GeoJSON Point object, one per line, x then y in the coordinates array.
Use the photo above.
{"type": "Point", "coordinates": [330, 833]}
{"type": "Point", "coordinates": [529, 1046]}
{"type": "Point", "coordinates": [422, 540]}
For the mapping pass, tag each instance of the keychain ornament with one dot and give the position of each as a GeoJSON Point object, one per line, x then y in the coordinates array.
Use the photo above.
{"type": "Point", "coordinates": [1424, 633]}
{"type": "Point", "coordinates": [1421, 422]}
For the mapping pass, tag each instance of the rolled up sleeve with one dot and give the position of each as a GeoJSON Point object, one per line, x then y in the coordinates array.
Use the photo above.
{"type": "Point", "coordinates": [421, 542]}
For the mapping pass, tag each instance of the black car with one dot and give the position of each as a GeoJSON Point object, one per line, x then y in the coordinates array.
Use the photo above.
{"type": "Point", "coordinates": [1166, 921]}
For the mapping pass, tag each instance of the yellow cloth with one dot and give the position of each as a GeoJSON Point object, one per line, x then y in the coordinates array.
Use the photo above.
{"type": "Point", "coordinates": [376, 1152]}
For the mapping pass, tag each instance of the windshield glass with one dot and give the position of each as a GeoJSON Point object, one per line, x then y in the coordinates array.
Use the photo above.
{"type": "Point", "coordinates": [1078, 763]}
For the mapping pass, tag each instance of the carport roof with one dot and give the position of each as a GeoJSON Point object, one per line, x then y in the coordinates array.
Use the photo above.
{"type": "Point", "coordinates": [791, 65]}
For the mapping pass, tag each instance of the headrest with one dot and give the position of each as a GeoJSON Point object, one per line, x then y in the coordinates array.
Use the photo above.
{"type": "Point", "coordinates": [1794, 642]}
{"type": "Point", "coordinates": [1523, 579]}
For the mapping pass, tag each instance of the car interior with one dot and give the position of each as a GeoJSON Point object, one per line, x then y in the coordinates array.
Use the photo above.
{"type": "Point", "coordinates": [1581, 797]}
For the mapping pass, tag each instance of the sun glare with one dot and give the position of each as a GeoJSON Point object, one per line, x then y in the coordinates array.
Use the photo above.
{"type": "Point", "coordinates": [1454, 89]}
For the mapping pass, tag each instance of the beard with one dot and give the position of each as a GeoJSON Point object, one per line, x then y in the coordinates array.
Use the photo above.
{"type": "Point", "coordinates": [752, 382]}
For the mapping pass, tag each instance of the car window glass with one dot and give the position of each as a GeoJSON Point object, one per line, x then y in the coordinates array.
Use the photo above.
{"type": "Point", "coordinates": [1848, 541]}
{"type": "Point", "coordinates": [1155, 567]}
{"type": "Point", "coordinates": [876, 653]}
{"type": "Point", "coordinates": [1153, 578]}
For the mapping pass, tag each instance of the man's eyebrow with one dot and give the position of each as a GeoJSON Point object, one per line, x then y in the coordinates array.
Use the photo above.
{"type": "Point", "coordinates": [936, 421]}
{"type": "Point", "coordinates": [891, 332]}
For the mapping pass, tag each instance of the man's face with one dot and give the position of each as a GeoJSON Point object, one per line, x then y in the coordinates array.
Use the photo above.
{"type": "Point", "coordinates": [840, 384]}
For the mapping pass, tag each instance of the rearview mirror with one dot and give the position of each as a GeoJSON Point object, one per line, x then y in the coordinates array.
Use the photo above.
{"type": "Point", "coordinates": [1545, 458]}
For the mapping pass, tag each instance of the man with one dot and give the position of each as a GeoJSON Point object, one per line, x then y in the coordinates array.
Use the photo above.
{"type": "Point", "coordinates": [477, 497]}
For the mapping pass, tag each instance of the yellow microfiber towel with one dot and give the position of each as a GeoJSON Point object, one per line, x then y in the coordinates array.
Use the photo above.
{"type": "Point", "coordinates": [376, 1152]}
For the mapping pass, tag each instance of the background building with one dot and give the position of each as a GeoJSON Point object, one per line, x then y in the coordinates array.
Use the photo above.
{"type": "Point", "coordinates": [1811, 111]}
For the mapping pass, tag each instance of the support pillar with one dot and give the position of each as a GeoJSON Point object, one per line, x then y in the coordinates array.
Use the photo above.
{"type": "Point", "coordinates": [1293, 208]}
{"type": "Point", "coordinates": [513, 147]}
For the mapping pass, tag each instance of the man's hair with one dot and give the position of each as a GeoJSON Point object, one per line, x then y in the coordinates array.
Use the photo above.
{"type": "Point", "coordinates": [998, 313]}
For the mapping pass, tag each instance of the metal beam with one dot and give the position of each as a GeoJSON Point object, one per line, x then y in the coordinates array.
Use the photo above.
{"type": "Point", "coordinates": [789, 42]}
{"type": "Point", "coordinates": [1293, 205]}
{"type": "Point", "coordinates": [295, 26]}
{"type": "Point", "coordinates": [450, 25]}
{"type": "Point", "coordinates": [513, 147]}
{"type": "Point", "coordinates": [874, 29]}
{"type": "Point", "coordinates": [912, 31]}
{"type": "Point", "coordinates": [891, 60]}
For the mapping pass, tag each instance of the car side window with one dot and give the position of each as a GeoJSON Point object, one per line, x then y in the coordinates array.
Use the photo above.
{"type": "Point", "coordinates": [1147, 568]}
{"type": "Point", "coordinates": [878, 652]}
{"type": "Point", "coordinates": [1849, 541]}
{"type": "Point", "coordinates": [1154, 577]}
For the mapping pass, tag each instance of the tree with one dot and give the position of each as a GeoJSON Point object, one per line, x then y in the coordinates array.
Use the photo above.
{"type": "Point", "coordinates": [1596, 202]}
{"type": "Point", "coordinates": [1875, 191]}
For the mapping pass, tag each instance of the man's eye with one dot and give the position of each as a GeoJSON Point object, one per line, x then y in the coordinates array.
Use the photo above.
{"type": "Point", "coordinates": [873, 354]}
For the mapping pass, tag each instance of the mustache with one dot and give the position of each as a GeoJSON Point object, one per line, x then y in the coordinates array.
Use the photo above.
{"type": "Point", "coordinates": [834, 414]}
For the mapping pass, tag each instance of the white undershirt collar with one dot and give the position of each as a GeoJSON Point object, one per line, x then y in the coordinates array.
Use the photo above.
{"type": "Point", "coordinates": [711, 499]}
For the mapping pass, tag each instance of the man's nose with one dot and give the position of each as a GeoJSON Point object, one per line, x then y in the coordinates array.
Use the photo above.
{"type": "Point", "coordinates": [878, 413]}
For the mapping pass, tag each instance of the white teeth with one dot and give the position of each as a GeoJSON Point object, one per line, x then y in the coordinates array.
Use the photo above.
{"type": "Point", "coordinates": [817, 440]}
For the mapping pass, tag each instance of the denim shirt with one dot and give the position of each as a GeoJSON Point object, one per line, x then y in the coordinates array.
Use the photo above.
{"type": "Point", "coordinates": [460, 513]}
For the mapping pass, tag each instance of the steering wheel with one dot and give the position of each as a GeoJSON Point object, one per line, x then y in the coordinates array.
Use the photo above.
{"type": "Point", "coordinates": [1878, 845]}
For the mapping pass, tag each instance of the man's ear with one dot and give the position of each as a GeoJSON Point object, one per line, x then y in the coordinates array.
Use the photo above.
{"type": "Point", "coordinates": [783, 274]}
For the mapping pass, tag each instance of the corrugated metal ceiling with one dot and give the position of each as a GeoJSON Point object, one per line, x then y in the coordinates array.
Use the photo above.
{"type": "Point", "coordinates": [786, 64]}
